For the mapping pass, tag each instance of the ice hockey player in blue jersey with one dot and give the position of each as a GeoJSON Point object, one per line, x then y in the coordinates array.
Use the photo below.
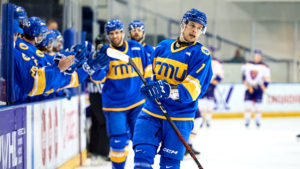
{"type": "Point", "coordinates": [182, 72]}
{"type": "Point", "coordinates": [26, 70]}
{"type": "Point", "coordinates": [122, 100]}
{"type": "Point", "coordinates": [34, 33]}
{"type": "Point", "coordinates": [137, 32]}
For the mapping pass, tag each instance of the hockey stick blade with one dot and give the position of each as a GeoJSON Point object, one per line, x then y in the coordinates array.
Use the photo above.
{"type": "Point", "coordinates": [113, 53]}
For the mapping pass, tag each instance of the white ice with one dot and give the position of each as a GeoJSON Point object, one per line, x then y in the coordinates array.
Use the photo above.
{"type": "Point", "coordinates": [227, 144]}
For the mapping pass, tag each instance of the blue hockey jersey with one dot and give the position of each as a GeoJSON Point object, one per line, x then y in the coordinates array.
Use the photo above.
{"type": "Point", "coordinates": [148, 49]}
{"type": "Point", "coordinates": [189, 68]}
{"type": "Point", "coordinates": [33, 80]}
{"type": "Point", "coordinates": [121, 82]}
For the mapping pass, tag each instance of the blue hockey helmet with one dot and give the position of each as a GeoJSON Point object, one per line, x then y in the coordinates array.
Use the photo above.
{"type": "Point", "coordinates": [56, 32]}
{"type": "Point", "coordinates": [35, 28]}
{"type": "Point", "coordinates": [195, 16]}
{"type": "Point", "coordinates": [58, 40]}
{"type": "Point", "coordinates": [20, 15]}
{"type": "Point", "coordinates": [136, 24]}
{"type": "Point", "coordinates": [113, 24]}
{"type": "Point", "coordinates": [48, 39]}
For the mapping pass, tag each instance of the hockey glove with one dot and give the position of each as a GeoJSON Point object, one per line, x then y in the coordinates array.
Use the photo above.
{"type": "Point", "coordinates": [95, 62]}
{"type": "Point", "coordinates": [157, 89]}
{"type": "Point", "coordinates": [81, 55]}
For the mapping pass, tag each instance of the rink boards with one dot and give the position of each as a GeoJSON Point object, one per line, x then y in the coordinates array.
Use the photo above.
{"type": "Point", "coordinates": [279, 100]}
{"type": "Point", "coordinates": [51, 134]}
{"type": "Point", "coordinates": [43, 135]}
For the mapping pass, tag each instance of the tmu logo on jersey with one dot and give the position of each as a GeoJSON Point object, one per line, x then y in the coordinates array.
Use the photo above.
{"type": "Point", "coordinates": [172, 70]}
{"type": "Point", "coordinates": [120, 69]}
{"type": "Point", "coordinates": [11, 149]}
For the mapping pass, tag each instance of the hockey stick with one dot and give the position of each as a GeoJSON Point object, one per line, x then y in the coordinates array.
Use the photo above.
{"type": "Point", "coordinates": [118, 55]}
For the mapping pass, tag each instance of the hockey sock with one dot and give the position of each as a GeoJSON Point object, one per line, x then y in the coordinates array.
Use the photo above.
{"type": "Point", "coordinates": [169, 163]}
{"type": "Point", "coordinates": [118, 153]}
{"type": "Point", "coordinates": [144, 156]}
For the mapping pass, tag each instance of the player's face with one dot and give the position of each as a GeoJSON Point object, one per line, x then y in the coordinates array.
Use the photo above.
{"type": "Point", "coordinates": [137, 34]}
{"type": "Point", "coordinates": [192, 31]}
{"type": "Point", "coordinates": [116, 37]}
{"type": "Point", "coordinates": [257, 58]}
{"type": "Point", "coordinates": [40, 38]}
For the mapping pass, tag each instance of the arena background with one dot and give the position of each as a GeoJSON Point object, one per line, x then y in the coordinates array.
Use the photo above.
{"type": "Point", "coordinates": [45, 133]}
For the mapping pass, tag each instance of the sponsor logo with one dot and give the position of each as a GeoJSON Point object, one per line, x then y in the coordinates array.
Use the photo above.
{"type": "Point", "coordinates": [11, 149]}
{"type": "Point", "coordinates": [170, 151]}
{"type": "Point", "coordinates": [135, 48]}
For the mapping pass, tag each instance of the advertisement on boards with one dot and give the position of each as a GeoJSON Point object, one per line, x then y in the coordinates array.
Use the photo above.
{"type": "Point", "coordinates": [13, 138]}
{"type": "Point", "coordinates": [277, 98]}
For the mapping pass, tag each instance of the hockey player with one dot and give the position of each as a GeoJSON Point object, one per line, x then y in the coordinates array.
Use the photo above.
{"type": "Point", "coordinates": [182, 72]}
{"type": "Point", "coordinates": [256, 77]}
{"type": "Point", "coordinates": [27, 71]}
{"type": "Point", "coordinates": [137, 32]}
{"type": "Point", "coordinates": [206, 105]}
{"type": "Point", "coordinates": [34, 33]}
{"type": "Point", "coordinates": [122, 100]}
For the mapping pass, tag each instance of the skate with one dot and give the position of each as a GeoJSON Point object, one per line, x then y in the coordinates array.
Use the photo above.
{"type": "Point", "coordinates": [193, 150]}
{"type": "Point", "coordinates": [257, 124]}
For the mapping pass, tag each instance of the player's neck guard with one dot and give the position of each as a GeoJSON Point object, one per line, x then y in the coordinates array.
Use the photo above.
{"type": "Point", "coordinates": [119, 47]}
{"type": "Point", "coordinates": [185, 43]}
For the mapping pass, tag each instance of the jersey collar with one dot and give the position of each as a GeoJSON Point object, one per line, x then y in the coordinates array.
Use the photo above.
{"type": "Point", "coordinates": [125, 44]}
{"type": "Point", "coordinates": [173, 50]}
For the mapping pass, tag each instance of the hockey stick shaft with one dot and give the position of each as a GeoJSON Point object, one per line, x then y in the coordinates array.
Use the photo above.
{"type": "Point", "coordinates": [167, 117]}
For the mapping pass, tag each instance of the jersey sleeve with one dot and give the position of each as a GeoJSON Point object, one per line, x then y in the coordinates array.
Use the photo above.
{"type": "Point", "coordinates": [147, 66]}
{"type": "Point", "coordinates": [100, 75]}
{"type": "Point", "coordinates": [198, 78]}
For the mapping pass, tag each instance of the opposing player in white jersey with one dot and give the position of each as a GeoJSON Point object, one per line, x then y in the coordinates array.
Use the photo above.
{"type": "Point", "coordinates": [207, 104]}
{"type": "Point", "coordinates": [136, 30]}
{"type": "Point", "coordinates": [256, 77]}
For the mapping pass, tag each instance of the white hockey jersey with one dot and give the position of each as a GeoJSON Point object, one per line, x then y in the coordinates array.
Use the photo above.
{"type": "Point", "coordinates": [256, 74]}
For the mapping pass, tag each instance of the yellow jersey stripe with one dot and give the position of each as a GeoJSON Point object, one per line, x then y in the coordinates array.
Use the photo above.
{"type": "Point", "coordinates": [193, 86]}
{"type": "Point", "coordinates": [172, 118]}
{"type": "Point", "coordinates": [98, 81]}
{"type": "Point", "coordinates": [49, 91]}
{"type": "Point", "coordinates": [148, 71]}
{"type": "Point", "coordinates": [39, 82]}
{"type": "Point", "coordinates": [74, 80]}
{"type": "Point", "coordinates": [125, 108]}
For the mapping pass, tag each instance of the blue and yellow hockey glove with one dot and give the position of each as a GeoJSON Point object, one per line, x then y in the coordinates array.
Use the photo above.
{"type": "Point", "coordinates": [157, 89]}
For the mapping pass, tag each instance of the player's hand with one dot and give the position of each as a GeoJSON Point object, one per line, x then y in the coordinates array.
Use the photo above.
{"type": "Point", "coordinates": [65, 62]}
{"type": "Point", "coordinates": [262, 87]}
{"type": "Point", "coordinates": [81, 54]}
{"type": "Point", "coordinates": [95, 62]}
{"type": "Point", "coordinates": [157, 89]}
{"type": "Point", "coordinates": [250, 89]}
